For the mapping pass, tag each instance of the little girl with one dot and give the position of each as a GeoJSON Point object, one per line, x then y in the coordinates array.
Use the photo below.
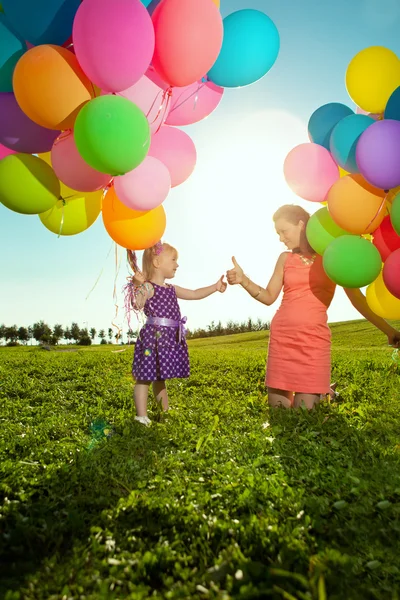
{"type": "Point", "coordinates": [161, 350]}
{"type": "Point", "coordinates": [299, 354]}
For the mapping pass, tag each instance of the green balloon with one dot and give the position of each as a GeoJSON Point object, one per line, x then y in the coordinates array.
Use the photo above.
{"type": "Point", "coordinates": [28, 185]}
{"type": "Point", "coordinates": [112, 135]}
{"type": "Point", "coordinates": [322, 230]}
{"type": "Point", "coordinates": [395, 214]}
{"type": "Point", "coordinates": [352, 261]}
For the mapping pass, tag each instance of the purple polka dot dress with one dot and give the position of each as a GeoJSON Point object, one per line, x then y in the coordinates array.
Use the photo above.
{"type": "Point", "coordinates": [159, 354]}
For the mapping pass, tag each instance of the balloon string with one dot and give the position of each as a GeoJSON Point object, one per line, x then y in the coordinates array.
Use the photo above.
{"type": "Point", "coordinates": [62, 218]}
{"type": "Point", "coordinates": [117, 267]}
{"type": "Point", "coordinates": [195, 93]}
{"type": "Point", "coordinates": [382, 204]}
{"type": "Point", "coordinates": [101, 272]}
{"type": "Point", "coordinates": [63, 136]}
{"type": "Point", "coordinates": [163, 108]}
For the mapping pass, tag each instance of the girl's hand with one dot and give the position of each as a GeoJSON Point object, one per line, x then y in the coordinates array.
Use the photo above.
{"type": "Point", "coordinates": [221, 285]}
{"type": "Point", "coordinates": [138, 279]}
{"type": "Point", "coordinates": [394, 339]}
{"type": "Point", "coordinates": [235, 275]}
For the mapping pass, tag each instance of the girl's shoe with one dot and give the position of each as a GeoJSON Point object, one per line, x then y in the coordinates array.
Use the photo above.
{"type": "Point", "coordinates": [144, 420]}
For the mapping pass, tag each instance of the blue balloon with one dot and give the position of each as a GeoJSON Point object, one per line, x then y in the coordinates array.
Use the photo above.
{"type": "Point", "coordinates": [249, 49]}
{"type": "Point", "coordinates": [392, 110]}
{"type": "Point", "coordinates": [324, 119]}
{"type": "Point", "coordinates": [12, 47]}
{"type": "Point", "coordinates": [42, 21]}
{"type": "Point", "coordinates": [146, 2]}
{"type": "Point", "coordinates": [344, 138]}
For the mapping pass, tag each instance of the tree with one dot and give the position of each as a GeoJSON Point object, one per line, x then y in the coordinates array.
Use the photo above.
{"type": "Point", "coordinates": [75, 332]}
{"type": "Point", "coordinates": [102, 334]}
{"type": "Point", "coordinates": [67, 334]}
{"type": "Point", "coordinates": [41, 332]}
{"type": "Point", "coordinates": [23, 334]}
{"type": "Point", "coordinates": [11, 333]}
{"type": "Point", "coordinates": [30, 333]}
{"type": "Point", "coordinates": [58, 333]}
{"type": "Point", "coordinates": [131, 335]}
{"type": "Point", "coordinates": [93, 333]}
{"type": "Point", "coordinates": [110, 333]}
{"type": "Point", "coordinates": [84, 338]}
{"type": "Point", "coordinates": [2, 332]}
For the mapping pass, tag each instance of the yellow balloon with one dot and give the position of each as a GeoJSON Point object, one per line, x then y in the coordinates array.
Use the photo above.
{"type": "Point", "coordinates": [75, 213]}
{"type": "Point", "coordinates": [217, 3]}
{"type": "Point", "coordinates": [381, 301]}
{"type": "Point", "coordinates": [371, 78]}
{"type": "Point", "coordinates": [342, 172]}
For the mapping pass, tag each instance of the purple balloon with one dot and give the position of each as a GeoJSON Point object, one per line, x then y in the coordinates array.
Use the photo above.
{"type": "Point", "coordinates": [18, 132]}
{"type": "Point", "coordinates": [378, 154]}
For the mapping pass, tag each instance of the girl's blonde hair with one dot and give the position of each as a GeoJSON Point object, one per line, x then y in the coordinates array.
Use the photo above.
{"type": "Point", "coordinates": [148, 257]}
{"type": "Point", "coordinates": [292, 213]}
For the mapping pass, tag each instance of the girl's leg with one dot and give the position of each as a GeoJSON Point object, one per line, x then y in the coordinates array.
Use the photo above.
{"type": "Point", "coordinates": [140, 393]}
{"type": "Point", "coordinates": [280, 398]}
{"type": "Point", "coordinates": [309, 400]}
{"type": "Point", "coordinates": [160, 393]}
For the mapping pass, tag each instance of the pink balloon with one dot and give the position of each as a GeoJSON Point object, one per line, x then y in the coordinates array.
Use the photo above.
{"type": "Point", "coordinates": [151, 99]}
{"type": "Point", "coordinates": [361, 111]}
{"type": "Point", "coordinates": [71, 169]}
{"type": "Point", "coordinates": [310, 171]}
{"type": "Point", "coordinates": [146, 187]}
{"type": "Point", "coordinates": [188, 39]}
{"type": "Point", "coordinates": [391, 272]}
{"type": "Point", "coordinates": [5, 151]}
{"type": "Point", "coordinates": [113, 42]}
{"type": "Point", "coordinates": [176, 150]}
{"type": "Point", "coordinates": [193, 103]}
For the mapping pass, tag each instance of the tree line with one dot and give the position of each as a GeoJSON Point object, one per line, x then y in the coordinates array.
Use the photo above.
{"type": "Point", "coordinates": [42, 333]}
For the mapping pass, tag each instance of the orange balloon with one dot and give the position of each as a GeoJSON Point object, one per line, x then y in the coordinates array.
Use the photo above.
{"type": "Point", "coordinates": [217, 3]}
{"type": "Point", "coordinates": [50, 86]}
{"type": "Point", "coordinates": [129, 228]}
{"type": "Point", "coordinates": [355, 205]}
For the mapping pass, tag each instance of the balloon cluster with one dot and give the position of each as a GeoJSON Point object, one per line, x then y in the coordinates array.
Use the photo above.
{"type": "Point", "coordinates": [91, 93]}
{"type": "Point", "coordinates": [352, 166]}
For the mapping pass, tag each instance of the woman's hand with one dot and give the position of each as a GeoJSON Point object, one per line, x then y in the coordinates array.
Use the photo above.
{"type": "Point", "coordinates": [394, 339]}
{"type": "Point", "coordinates": [235, 275]}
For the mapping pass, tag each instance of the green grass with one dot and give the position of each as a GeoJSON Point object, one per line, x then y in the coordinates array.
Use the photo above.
{"type": "Point", "coordinates": [209, 502]}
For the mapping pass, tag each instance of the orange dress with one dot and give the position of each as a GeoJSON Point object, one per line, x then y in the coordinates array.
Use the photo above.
{"type": "Point", "coordinates": [299, 352]}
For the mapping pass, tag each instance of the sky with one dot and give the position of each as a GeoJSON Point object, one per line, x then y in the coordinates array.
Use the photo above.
{"type": "Point", "coordinates": [225, 208]}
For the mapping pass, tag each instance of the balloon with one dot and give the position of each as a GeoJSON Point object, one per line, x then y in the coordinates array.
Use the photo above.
{"type": "Point", "coordinates": [113, 41]}
{"type": "Point", "coordinates": [12, 47]}
{"type": "Point", "coordinates": [18, 132]}
{"type": "Point", "coordinates": [374, 116]}
{"type": "Point", "coordinates": [250, 48]}
{"type": "Point", "coordinates": [42, 21]}
{"type": "Point", "coordinates": [310, 171]}
{"type": "Point", "coordinates": [112, 135]}
{"type": "Point", "coordinates": [344, 138]}
{"type": "Point", "coordinates": [5, 151]}
{"type": "Point", "coordinates": [152, 4]}
{"type": "Point", "coordinates": [324, 119]}
{"type": "Point", "coordinates": [391, 273]}
{"type": "Point", "coordinates": [176, 150]}
{"type": "Point", "coordinates": [71, 169]}
{"type": "Point", "coordinates": [378, 154]}
{"type": "Point", "coordinates": [371, 78]}
{"type": "Point", "coordinates": [381, 301]}
{"type": "Point", "coordinates": [395, 214]}
{"type": "Point", "coordinates": [146, 187]}
{"type": "Point", "coordinates": [129, 228]}
{"type": "Point", "coordinates": [322, 230]}
{"type": "Point", "coordinates": [188, 39]}
{"type": "Point", "coordinates": [151, 99]}
{"type": "Point", "coordinates": [193, 103]}
{"type": "Point", "coordinates": [50, 86]}
{"type": "Point", "coordinates": [352, 261]}
{"type": "Point", "coordinates": [385, 238]}
{"type": "Point", "coordinates": [392, 110]}
{"type": "Point", "coordinates": [73, 215]}
{"type": "Point", "coordinates": [355, 205]}
{"type": "Point", "coordinates": [27, 184]}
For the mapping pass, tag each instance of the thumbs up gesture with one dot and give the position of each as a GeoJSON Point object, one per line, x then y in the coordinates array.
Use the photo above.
{"type": "Point", "coordinates": [221, 285]}
{"type": "Point", "coordinates": [235, 275]}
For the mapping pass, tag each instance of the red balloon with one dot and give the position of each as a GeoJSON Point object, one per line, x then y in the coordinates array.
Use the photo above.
{"type": "Point", "coordinates": [386, 239]}
{"type": "Point", "coordinates": [391, 273]}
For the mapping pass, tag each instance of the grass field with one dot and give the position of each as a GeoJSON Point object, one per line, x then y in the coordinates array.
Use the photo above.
{"type": "Point", "coordinates": [221, 498]}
